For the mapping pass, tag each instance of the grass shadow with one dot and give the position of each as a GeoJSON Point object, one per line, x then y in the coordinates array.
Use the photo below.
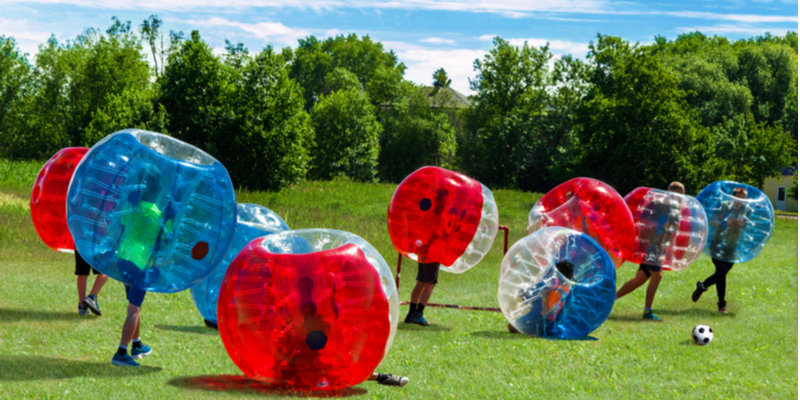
{"type": "Point", "coordinates": [698, 312]}
{"type": "Point", "coordinates": [430, 328]}
{"type": "Point", "coordinates": [8, 315]}
{"type": "Point", "coordinates": [505, 335]}
{"type": "Point", "coordinates": [30, 368]}
{"type": "Point", "coordinates": [202, 330]}
{"type": "Point", "coordinates": [243, 384]}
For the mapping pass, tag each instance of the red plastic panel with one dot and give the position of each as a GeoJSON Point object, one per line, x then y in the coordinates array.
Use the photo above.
{"type": "Point", "coordinates": [49, 198]}
{"type": "Point", "coordinates": [316, 321]}
{"type": "Point", "coordinates": [592, 207]}
{"type": "Point", "coordinates": [434, 215]}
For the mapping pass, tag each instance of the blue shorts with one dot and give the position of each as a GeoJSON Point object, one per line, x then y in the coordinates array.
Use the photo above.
{"type": "Point", "coordinates": [135, 295]}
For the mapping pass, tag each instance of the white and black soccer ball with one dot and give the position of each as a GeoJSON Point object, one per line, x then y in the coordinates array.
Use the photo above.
{"type": "Point", "coordinates": [702, 335]}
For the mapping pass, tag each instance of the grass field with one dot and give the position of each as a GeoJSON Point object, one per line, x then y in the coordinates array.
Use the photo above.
{"type": "Point", "coordinates": [48, 351]}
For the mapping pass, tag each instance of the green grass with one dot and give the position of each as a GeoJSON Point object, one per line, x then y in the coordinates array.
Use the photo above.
{"type": "Point", "coordinates": [47, 351]}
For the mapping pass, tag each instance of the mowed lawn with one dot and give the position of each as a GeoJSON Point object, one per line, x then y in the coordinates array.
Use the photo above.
{"type": "Point", "coordinates": [48, 351]}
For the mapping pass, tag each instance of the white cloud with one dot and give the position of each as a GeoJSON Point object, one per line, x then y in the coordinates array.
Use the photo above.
{"type": "Point", "coordinates": [730, 28]}
{"type": "Point", "coordinates": [487, 38]}
{"type": "Point", "coordinates": [268, 31]}
{"type": "Point", "coordinates": [436, 40]}
{"type": "Point", "coordinates": [557, 47]}
{"type": "Point", "coordinates": [422, 62]}
{"type": "Point", "coordinates": [28, 35]}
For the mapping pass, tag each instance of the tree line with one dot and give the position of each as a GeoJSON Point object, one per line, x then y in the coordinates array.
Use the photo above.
{"type": "Point", "coordinates": [695, 109]}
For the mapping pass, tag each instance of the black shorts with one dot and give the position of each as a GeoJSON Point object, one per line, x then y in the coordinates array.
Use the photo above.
{"type": "Point", "coordinates": [82, 267]}
{"type": "Point", "coordinates": [428, 273]}
{"type": "Point", "coordinates": [646, 268]}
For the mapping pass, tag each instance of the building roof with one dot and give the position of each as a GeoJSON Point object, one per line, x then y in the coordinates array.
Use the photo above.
{"type": "Point", "coordinates": [458, 99]}
{"type": "Point", "coordinates": [790, 170]}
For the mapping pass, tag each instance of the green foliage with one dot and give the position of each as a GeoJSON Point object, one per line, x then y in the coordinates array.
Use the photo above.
{"type": "Point", "coordinates": [417, 132]}
{"type": "Point", "coordinates": [314, 59]}
{"type": "Point", "coordinates": [72, 81]}
{"type": "Point", "coordinates": [346, 136]}
{"type": "Point", "coordinates": [753, 151]}
{"type": "Point", "coordinates": [503, 138]}
{"type": "Point", "coordinates": [636, 129]}
{"type": "Point", "coordinates": [14, 79]}
{"type": "Point", "coordinates": [793, 190]}
{"type": "Point", "coordinates": [769, 71]}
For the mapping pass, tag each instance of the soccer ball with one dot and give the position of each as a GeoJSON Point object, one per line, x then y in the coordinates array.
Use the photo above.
{"type": "Point", "coordinates": [702, 335]}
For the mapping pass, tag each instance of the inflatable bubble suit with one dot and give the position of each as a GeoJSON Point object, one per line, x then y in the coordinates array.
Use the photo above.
{"type": "Point", "coordinates": [538, 299]}
{"type": "Point", "coordinates": [252, 221]}
{"type": "Point", "coordinates": [49, 198]}
{"type": "Point", "coordinates": [151, 211]}
{"type": "Point", "coordinates": [437, 215]}
{"type": "Point", "coordinates": [738, 229]}
{"type": "Point", "coordinates": [671, 228]}
{"type": "Point", "coordinates": [589, 206]}
{"type": "Point", "coordinates": [311, 309]}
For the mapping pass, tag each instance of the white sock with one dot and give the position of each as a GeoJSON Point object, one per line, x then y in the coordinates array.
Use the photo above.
{"type": "Point", "coordinates": [137, 340]}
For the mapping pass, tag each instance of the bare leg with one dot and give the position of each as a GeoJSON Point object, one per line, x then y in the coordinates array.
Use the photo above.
{"type": "Point", "coordinates": [373, 377]}
{"type": "Point", "coordinates": [131, 325]}
{"type": "Point", "coordinates": [416, 294]}
{"type": "Point", "coordinates": [633, 284]}
{"type": "Point", "coordinates": [426, 293]}
{"type": "Point", "coordinates": [99, 281]}
{"type": "Point", "coordinates": [82, 287]}
{"type": "Point", "coordinates": [652, 287]}
{"type": "Point", "coordinates": [138, 323]}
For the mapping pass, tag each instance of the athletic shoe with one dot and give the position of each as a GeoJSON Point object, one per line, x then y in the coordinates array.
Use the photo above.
{"type": "Point", "coordinates": [409, 319]}
{"type": "Point", "coordinates": [123, 361]}
{"type": "Point", "coordinates": [418, 319]}
{"type": "Point", "coordinates": [91, 303]}
{"type": "Point", "coordinates": [82, 310]}
{"type": "Point", "coordinates": [722, 308]}
{"type": "Point", "coordinates": [698, 291]}
{"type": "Point", "coordinates": [391, 380]}
{"type": "Point", "coordinates": [649, 316]}
{"type": "Point", "coordinates": [139, 352]}
{"type": "Point", "coordinates": [211, 324]}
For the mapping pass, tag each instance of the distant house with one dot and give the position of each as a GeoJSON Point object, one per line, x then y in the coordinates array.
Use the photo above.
{"type": "Point", "coordinates": [777, 190]}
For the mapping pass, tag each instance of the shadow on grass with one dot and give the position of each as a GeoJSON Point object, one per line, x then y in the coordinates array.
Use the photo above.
{"type": "Point", "coordinates": [243, 384]}
{"type": "Point", "coordinates": [203, 330]}
{"type": "Point", "coordinates": [29, 368]}
{"type": "Point", "coordinates": [505, 335]}
{"type": "Point", "coordinates": [430, 328]}
{"type": "Point", "coordinates": [688, 312]}
{"type": "Point", "coordinates": [15, 315]}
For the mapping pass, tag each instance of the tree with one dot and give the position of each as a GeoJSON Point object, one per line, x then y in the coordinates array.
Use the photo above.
{"type": "Point", "coordinates": [151, 33]}
{"type": "Point", "coordinates": [14, 82]}
{"type": "Point", "coordinates": [416, 133]}
{"type": "Point", "coordinates": [635, 128]}
{"type": "Point", "coordinates": [440, 79]}
{"type": "Point", "coordinates": [502, 127]}
{"type": "Point", "coordinates": [71, 82]}
{"type": "Point", "coordinates": [271, 132]}
{"type": "Point", "coordinates": [195, 91]}
{"type": "Point", "coordinates": [313, 60]}
{"type": "Point", "coordinates": [346, 136]}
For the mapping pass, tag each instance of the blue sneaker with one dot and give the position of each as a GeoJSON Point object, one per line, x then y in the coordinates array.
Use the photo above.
{"type": "Point", "coordinates": [82, 310]}
{"type": "Point", "coordinates": [649, 316]}
{"type": "Point", "coordinates": [418, 319]}
{"type": "Point", "coordinates": [139, 352]}
{"type": "Point", "coordinates": [91, 303]}
{"type": "Point", "coordinates": [123, 361]}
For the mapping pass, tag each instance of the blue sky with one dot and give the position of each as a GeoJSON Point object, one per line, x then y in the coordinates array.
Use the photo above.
{"type": "Point", "coordinates": [425, 34]}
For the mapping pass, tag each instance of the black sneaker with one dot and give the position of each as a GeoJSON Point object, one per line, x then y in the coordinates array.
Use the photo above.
{"type": "Point", "coordinates": [91, 304]}
{"type": "Point", "coordinates": [418, 319]}
{"type": "Point", "coordinates": [409, 319]}
{"type": "Point", "coordinates": [391, 380]}
{"type": "Point", "coordinates": [698, 291]}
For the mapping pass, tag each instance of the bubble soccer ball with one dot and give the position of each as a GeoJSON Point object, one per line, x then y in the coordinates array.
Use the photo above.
{"type": "Point", "coordinates": [437, 215]}
{"type": "Point", "coordinates": [538, 299]}
{"type": "Point", "coordinates": [589, 206]}
{"type": "Point", "coordinates": [49, 198]}
{"type": "Point", "coordinates": [151, 211]}
{"type": "Point", "coordinates": [253, 221]}
{"type": "Point", "coordinates": [702, 335]}
{"type": "Point", "coordinates": [671, 228]}
{"type": "Point", "coordinates": [310, 309]}
{"type": "Point", "coordinates": [738, 229]}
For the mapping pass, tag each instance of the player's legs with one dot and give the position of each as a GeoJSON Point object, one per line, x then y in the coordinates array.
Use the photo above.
{"type": "Point", "coordinates": [99, 282]}
{"type": "Point", "coordinates": [82, 287]}
{"type": "Point", "coordinates": [427, 290]}
{"type": "Point", "coordinates": [652, 287]}
{"type": "Point", "coordinates": [632, 284]}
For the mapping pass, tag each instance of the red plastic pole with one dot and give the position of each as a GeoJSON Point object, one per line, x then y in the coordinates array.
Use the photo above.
{"type": "Point", "coordinates": [505, 243]}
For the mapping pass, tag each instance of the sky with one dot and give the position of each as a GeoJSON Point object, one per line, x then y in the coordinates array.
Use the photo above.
{"type": "Point", "coordinates": [425, 34]}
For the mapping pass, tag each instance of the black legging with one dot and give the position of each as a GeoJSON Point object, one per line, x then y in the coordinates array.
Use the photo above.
{"type": "Point", "coordinates": [719, 278]}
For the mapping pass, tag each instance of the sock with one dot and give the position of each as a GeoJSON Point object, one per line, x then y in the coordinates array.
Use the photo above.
{"type": "Point", "coordinates": [137, 343]}
{"type": "Point", "coordinates": [647, 310]}
{"type": "Point", "coordinates": [123, 350]}
{"type": "Point", "coordinates": [412, 307]}
{"type": "Point", "coordinates": [420, 308]}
